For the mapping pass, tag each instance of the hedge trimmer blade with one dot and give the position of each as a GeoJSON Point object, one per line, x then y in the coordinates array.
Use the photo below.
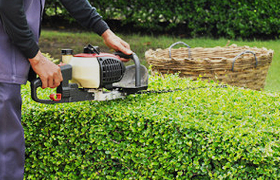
{"type": "Point", "coordinates": [175, 90]}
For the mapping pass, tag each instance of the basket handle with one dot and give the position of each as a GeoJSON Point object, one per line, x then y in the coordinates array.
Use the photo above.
{"type": "Point", "coordinates": [241, 55]}
{"type": "Point", "coordinates": [180, 42]}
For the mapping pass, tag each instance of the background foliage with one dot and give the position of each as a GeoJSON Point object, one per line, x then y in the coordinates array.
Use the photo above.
{"type": "Point", "coordinates": [233, 18]}
{"type": "Point", "coordinates": [205, 133]}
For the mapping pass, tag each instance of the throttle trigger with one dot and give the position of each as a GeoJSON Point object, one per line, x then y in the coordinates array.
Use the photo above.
{"type": "Point", "coordinates": [55, 97]}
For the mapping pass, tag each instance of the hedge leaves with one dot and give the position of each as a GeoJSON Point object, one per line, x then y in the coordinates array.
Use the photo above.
{"type": "Point", "coordinates": [202, 133]}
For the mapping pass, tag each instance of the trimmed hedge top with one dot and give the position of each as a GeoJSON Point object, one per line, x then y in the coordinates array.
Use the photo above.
{"type": "Point", "coordinates": [203, 133]}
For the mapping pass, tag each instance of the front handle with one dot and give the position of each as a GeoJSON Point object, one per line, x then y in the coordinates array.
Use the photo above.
{"type": "Point", "coordinates": [136, 60]}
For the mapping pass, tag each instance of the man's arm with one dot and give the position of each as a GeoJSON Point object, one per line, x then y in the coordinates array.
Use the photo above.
{"type": "Point", "coordinates": [86, 15]}
{"type": "Point", "coordinates": [14, 21]}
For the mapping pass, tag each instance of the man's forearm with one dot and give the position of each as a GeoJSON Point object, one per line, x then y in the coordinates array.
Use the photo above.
{"type": "Point", "coordinates": [14, 21]}
{"type": "Point", "coordinates": [86, 15]}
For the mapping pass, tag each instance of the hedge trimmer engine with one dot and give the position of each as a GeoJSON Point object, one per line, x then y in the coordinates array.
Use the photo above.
{"type": "Point", "coordinates": [95, 76]}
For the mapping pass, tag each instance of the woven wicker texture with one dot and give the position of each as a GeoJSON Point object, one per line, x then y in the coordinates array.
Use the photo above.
{"type": "Point", "coordinates": [238, 66]}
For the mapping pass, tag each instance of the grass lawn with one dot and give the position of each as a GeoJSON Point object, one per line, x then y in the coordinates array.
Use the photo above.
{"type": "Point", "coordinates": [53, 41]}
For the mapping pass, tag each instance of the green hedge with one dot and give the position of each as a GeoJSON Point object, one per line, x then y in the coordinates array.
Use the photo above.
{"type": "Point", "coordinates": [205, 133]}
{"type": "Point", "coordinates": [246, 18]}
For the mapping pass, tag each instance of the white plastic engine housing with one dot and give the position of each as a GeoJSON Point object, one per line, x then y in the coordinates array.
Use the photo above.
{"type": "Point", "coordinates": [85, 71]}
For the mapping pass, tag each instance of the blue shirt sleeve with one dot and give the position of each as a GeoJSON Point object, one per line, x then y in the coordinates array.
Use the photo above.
{"type": "Point", "coordinates": [86, 15]}
{"type": "Point", "coordinates": [13, 18]}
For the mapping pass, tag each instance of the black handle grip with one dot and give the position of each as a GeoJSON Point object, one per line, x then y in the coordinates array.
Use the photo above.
{"type": "Point", "coordinates": [66, 72]}
{"type": "Point", "coordinates": [35, 84]}
{"type": "Point", "coordinates": [122, 55]}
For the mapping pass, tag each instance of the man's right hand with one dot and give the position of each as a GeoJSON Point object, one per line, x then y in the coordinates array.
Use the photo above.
{"type": "Point", "coordinates": [48, 72]}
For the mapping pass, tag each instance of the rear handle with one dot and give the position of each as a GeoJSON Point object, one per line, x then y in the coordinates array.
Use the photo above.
{"type": "Point", "coordinates": [66, 72]}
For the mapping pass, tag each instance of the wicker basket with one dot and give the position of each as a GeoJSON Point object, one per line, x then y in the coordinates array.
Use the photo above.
{"type": "Point", "coordinates": [238, 66]}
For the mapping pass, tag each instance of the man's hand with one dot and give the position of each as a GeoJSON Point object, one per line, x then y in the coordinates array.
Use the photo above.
{"type": "Point", "coordinates": [48, 72]}
{"type": "Point", "coordinates": [116, 43]}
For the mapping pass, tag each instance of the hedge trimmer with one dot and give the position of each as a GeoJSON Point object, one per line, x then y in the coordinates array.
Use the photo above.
{"type": "Point", "coordinates": [97, 76]}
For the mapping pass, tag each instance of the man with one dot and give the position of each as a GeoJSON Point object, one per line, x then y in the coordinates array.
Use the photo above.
{"type": "Point", "coordinates": [19, 34]}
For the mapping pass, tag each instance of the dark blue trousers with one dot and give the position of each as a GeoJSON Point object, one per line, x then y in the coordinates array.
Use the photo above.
{"type": "Point", "coordinates": [12, 146]}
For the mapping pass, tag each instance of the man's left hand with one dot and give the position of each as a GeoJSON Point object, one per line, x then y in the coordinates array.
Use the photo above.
{"type": "Point", "coordinates": [116, 43]}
